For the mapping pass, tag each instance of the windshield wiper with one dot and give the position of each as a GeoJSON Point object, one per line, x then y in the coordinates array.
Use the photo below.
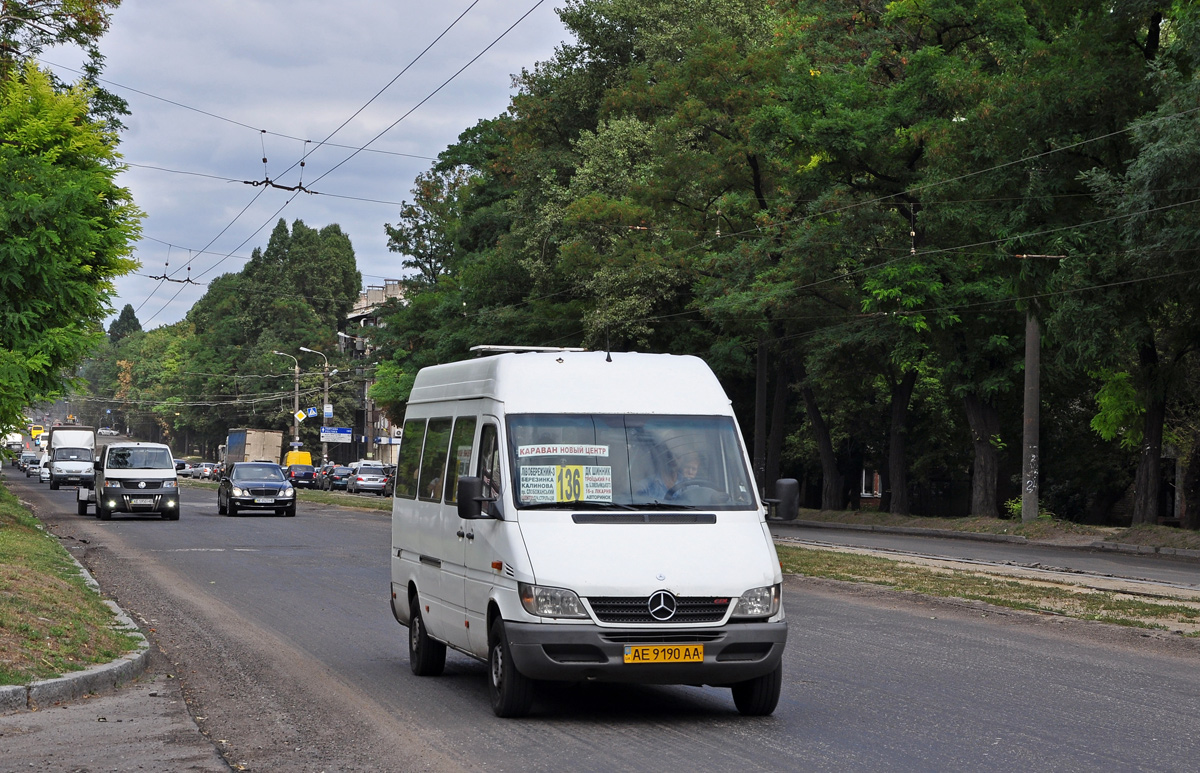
{"type": "Point", "coordinates": [578, 504]}
{"type": "Point", "coordinates": [662, 506]}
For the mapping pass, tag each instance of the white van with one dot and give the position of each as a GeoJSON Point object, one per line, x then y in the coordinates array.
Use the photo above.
{"type": "Point", "coordinates": [136, 478]}
{"type": "Point", "coordinates": [577, 516]}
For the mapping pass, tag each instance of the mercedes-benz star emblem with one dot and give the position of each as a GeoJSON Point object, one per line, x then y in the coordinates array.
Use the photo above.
{"type": "Point", "coordinates": [142, 484]}
{"type": "Point", "coordinates": [662, 605]}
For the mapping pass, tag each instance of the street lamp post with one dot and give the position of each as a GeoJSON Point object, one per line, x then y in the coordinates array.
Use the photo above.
{"type": "Point", "coordinates": [325, 404]}
{"type": "Point", "coordinates": [295, 401]}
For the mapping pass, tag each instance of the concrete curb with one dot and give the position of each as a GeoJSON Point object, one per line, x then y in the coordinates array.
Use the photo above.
{"type": "Point", "coordinates": [1110, 547]}
{"type": "Point", "coordinates": [1119, 547]}
{"type": "Point", "coordinates": [102, 678]}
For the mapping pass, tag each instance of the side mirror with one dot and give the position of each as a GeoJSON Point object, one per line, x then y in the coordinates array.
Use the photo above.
{"type": "Point", "coordinates": [471, 498]}
{"type": "Point", "coordinates": [787, 493]}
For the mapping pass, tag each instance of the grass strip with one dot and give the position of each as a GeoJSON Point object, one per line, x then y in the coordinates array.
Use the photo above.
{"type": "Point", "coordinates": [1031, 595]}
{"type": "Point", "coordinates": [1045, 529]}
{"type": "Point", "coordinates": [51, 621]}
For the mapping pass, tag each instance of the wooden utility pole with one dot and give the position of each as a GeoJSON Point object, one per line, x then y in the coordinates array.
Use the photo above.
{"type": "Point", "coordinates": [1031, 460]}
{"type": "Point", "coordinates": [1032, 426]}
{"type": "Point", "coordinates": [760, 418]}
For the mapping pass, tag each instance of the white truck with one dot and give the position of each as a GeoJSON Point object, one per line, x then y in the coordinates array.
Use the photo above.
{"type": "Point", "coordinates": [252, 445]}
{"type": "Point", "coordinates": [72, 451]}
{"type": "Point", "coordinates": [15, 442]}
{"type": "Point", "coordinates": [579, 516]}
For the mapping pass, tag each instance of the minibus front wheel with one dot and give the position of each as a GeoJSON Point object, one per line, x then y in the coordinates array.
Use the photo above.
{"type": "Point", "coordinates": [758, 697]}
{"type": "Point", "coordinates": [511, 691]}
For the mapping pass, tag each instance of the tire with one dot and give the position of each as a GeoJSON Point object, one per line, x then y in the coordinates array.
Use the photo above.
{"type": "Point", "coordinates": [221, 508]}
{"type": "Point", "coordinates": [510, 690]}
{"type": "Point", "coordinates": [102, 512]}
{"type": "Point", "coordinates": [53, 485]}
{"type": "Point", "coordinates": [758, 697]}
{"type": "Point", "coordinates": [426, 657]}
{"type": "Point", "coordinates": [290, 510]}
{"type": "Point", "coordinates": [81, 507]}
{"type": "Point", "coordinates": [231, 507]}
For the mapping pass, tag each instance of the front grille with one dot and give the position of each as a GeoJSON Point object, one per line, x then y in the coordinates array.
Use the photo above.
{"type": "Point", "coordinates": [636, 609]}
{"type": "Point", "coordinates": [262, 492]}
{"type": "Point", "coordinates": [658, 637]}
{"type": "Point", "coordinates": [136, 484]}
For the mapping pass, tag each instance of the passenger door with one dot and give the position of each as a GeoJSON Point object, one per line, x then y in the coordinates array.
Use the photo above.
{"type": "Point", "coordinates": [482, 548]}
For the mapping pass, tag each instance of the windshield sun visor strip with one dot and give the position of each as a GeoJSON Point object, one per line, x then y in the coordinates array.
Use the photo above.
{"type": "Point", "coordinates": [661, 518]}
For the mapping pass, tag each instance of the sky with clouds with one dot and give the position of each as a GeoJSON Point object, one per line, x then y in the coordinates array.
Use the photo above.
{"type": "Point", "coordinates": [205, 79]}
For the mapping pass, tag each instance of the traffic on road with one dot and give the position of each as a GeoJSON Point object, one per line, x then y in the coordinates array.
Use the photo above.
{"type": "Point", "coordinates": [288, 654]}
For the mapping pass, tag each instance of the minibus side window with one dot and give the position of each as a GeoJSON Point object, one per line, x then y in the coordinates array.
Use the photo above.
{"type": "Point", "coordinates": [490, 465]}
{"type": "Point", "coordinates": [460, 455]}
{"type": "Point", "coordinates": [410, 458]}
{"type": "Point", "coordinates": [433, 462]}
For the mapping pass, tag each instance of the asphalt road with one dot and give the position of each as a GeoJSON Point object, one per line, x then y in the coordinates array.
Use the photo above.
{"type": "Point", "coordinates": [289, 659]}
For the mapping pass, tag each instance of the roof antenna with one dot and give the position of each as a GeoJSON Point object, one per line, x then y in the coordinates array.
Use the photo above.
{"type": "Point", "coordinates": [607, 346]}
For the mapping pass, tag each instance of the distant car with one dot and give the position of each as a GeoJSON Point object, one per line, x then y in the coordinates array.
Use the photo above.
{"type": "Point", "coordinates": [389, 480]}
{"type": "Point", "coordinates": [255, 486]}
{"type": "Point", "coordinates": [322, 474]}
{"type": "Point", "coordinates": [300, 475]}
{"type": "Point", "coordinates": [204, 470]}
{"type": "Point", "coordinates": [183, 468]}
{"type": "Point", "coordinates": [44, 473]}
{"type": "Point", "coordinates": [35, 467]}
{"type": "Point", "coordinates": [337, 478]}
{"type": "Point", "coordinates": [107, 431]}
{"type": "Point", "coordinates": [366, 479]}
{"type": "Point", "coordinates": [25, 460]}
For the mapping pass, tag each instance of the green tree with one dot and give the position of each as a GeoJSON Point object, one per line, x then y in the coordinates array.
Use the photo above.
{"type": "Point", "coordinates": [65, 233]}
{"type": "Point", "coordinates": [1140, 318]}
{"type": "Point", "coordinates": [123, 325]}
{"type": "Point", "coordinates": [27, 27]}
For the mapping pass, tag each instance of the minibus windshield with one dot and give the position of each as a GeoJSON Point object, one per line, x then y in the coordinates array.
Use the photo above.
{"type": "Point", "coordinates": [596, 462]}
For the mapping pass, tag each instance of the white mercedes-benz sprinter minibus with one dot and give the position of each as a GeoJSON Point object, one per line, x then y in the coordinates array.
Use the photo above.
{"type": "Point", "coordinates": [576, 516]}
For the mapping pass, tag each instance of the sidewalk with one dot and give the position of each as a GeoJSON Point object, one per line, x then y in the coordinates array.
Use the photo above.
{"type": "Point", "coordinates": [128, 714]}
{"type": "Point", "coordinates": [143, 725]}
{"type": "Point", "coordinates": [1100, 545]}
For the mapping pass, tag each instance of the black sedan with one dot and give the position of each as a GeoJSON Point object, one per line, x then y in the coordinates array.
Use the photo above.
{"type": "Point", "coordinates": [300, 475]}
{"type": "Point", "coordinates": [255, 486]}
{"type": "Point", "coordinates": [337, 478]}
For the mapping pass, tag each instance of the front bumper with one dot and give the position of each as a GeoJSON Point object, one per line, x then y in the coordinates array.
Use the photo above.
{"type": "Point", "coordinates": [141, 502]}
{"type": "Point", "coordinates": [262, 503]}
{"type": "Point", "coordinates": [732, 653]}
{"type": "Point", "coordinates": [71, 479]}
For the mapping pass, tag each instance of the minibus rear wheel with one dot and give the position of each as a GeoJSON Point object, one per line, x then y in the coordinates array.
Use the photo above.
{"type": "Point", "coordinates": [511, 691]}
{"type": "Point", "coordinates": [426, 657]}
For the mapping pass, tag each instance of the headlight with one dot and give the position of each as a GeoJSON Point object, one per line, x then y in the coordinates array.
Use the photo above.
{"type": "Point", "coordinates": [758, 602]}
{"type": "Point", "coordinates": [110, 483]}
{"type": "Point", "coordinates": [59, 470]}
{"type": "Point", "coordinates": [237, 492]}
{"type": "Point", "coordinates": [170, 484]}
{"type": "Point", "coordinates": [550, 602]}
{"type": "Point", "coordinates": [289, 492]}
